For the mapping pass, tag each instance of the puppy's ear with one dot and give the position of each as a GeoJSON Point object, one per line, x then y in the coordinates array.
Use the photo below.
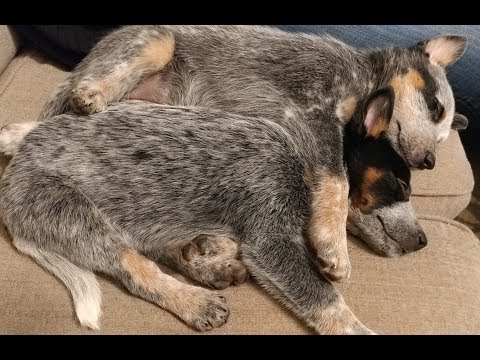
{"type": "Point", "coordinates": [444, 50]}
{"type": "Point", "coordinates": [459, 122]}
{"type": "Point", "coordinates": [378, 111]}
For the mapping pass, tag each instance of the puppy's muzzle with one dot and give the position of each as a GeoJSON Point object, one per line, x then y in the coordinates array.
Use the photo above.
{"type": "Point", "coordinates": [409, 242]}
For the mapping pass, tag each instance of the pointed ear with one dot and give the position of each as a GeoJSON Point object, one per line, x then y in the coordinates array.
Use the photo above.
{"type": "Point", "coordinates": [460, 122]}
{"type": "Point", "coordinates": [378, 111]}
{"type": "Point", "coordinates": [444, 50]}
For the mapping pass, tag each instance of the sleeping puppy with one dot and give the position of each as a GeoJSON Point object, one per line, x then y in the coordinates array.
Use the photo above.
{"type": "Point", "coordinates": [287, 78]}
{"type": "Point", "coordinates": [113, 191]}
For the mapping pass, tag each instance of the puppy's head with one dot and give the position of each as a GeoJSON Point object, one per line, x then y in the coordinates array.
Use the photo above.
{"type": "Point", "coordinates": [424, 108]}
{"type": "Point", "coordinates": [378, 175]}
{"type": "Point", "coordinates": [380, 212]}
{"type": "Point", "coordinates": [389, 231]}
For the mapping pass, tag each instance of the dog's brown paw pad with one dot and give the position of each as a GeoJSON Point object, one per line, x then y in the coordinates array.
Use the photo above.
{"type": "Point", "coordinates": [88, 99]}
{"type": "Point", "coordinates": [230, 272]}
{"type": "Point", "coordinates": [213, 261]}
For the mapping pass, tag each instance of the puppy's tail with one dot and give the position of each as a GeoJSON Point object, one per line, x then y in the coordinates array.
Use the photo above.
{"type": "Point", "coordinates": [58, 102]}
{"type": "Point", "coordinates": [83, 284]}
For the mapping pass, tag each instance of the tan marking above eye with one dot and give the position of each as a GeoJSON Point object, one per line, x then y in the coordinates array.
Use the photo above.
{"type": "Point", "coordinates": [365, 200]}
{"type": "Point", "coordinates": [414, 77]}
{"type": "Point", "coordinates": [411, 79]}
{"type": "Point", "coordinates": [371, 175]}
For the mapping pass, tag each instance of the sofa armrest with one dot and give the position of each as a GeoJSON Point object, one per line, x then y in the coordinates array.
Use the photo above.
{"type": "Point", "coordinates": [9, 45]}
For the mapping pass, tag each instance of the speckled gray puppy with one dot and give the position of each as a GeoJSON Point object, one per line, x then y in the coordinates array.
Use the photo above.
{"type": "Point", "coordinates": [115, 190]}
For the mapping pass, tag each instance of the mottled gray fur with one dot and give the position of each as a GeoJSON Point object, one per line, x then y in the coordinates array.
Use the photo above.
{"type": "Point", "coordinates": [286, 77]}
{"type": "Point", "coordinates": [147, 178]}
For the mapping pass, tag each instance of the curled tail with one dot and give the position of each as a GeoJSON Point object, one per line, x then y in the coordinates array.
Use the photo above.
{"type": "Point", "coordinates": [83, 284]}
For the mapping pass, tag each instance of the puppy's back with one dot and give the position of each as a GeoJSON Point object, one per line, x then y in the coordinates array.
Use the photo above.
{"type": "Point", "coordinates": [144, 164]}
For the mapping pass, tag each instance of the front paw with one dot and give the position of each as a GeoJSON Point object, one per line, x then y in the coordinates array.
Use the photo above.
{"type": "Point", "coordinates": [88, 98]}
{"type": "Point", "coordinates": [334, 263]}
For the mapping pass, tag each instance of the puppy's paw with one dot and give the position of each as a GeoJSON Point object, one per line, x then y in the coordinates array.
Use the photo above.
{"type": "Point", "coordinates": [214, 245]}
{"type": "Point", "coordinates": [213, 261]}
{"type": "Point", "coordinates": [334, 263]}
{"type": "Point", "coordinates": [206, 310]}
{"type": "Point", "coordinates": [88, 98]}
{"type": "Point", "coordinates": [11, 136]}
{"type": "Point", "coordinates": [222, 275]}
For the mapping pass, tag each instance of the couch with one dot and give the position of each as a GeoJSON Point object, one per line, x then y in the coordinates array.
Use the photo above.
{"type": "Point", "coordinates": [433, 291]}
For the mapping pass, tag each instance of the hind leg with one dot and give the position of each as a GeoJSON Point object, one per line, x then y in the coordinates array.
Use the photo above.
{"type": "Point", "coordinates": [115, 66]}
{"type": "Point", "coordinates": [284, 267]}
{"type": "Point", "coordinates": [64, 231]}
{"type": "Point", "coordinates": [212, 260]}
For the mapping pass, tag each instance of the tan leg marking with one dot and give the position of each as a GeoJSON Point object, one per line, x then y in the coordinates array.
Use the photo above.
{"type": "Point", "coordinates": [201, 308]}
{"type": "Point", "coordinates": [156, 54]}
{"type": "Point", "coordinates": [338, 319]}
{"type": "Point", "coordinates": [93, 95]}
{"type": "Point", "coordinates": [346, 108]}
{"type": "Point", "coordinates": [327, 226]}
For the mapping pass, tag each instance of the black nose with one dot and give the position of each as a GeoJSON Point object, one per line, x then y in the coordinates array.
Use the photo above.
{"type": "Point", "coordinates": [422, 240]}
{"type": "Point", "coordinates": [429, 161]}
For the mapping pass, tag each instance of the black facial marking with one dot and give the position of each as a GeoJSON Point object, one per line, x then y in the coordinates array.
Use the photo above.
{"type": "Point", "coordinates": [429, 93]}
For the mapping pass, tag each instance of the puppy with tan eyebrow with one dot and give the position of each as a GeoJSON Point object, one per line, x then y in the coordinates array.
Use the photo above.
{"type": "Point", "coordinates": [285, 77]}
{"type": "Point", "coordinates": [113, 191]}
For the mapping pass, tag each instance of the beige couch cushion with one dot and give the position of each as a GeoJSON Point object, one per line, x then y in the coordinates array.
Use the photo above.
{"type": "Point", "coordinates": [25, 86]}
{"type": "Point", "coordinates": [433, 291]}
{"type": "Point", "coordinates": [9, 44]}
{"type": "Point", "coordinates": [446, 190]}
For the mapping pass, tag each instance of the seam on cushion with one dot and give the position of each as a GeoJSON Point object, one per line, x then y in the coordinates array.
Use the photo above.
{"type": "Point", "coordinates": [432, 194]}
{"type": "Point", "coordinates": [441, 219]}
{"type": "Point", "coordinates": [20, 63]}
{"type": "Point", "coordinates": [426, 192]}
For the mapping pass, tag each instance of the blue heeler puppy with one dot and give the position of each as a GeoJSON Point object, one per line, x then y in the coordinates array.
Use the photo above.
{"type": "Point", "coordinates": [115, 191]}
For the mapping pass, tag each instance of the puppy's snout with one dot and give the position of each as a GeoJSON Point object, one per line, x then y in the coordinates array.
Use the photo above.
{"type": "Point", "coordinates": [414, 243]}
{"type": "Point", "coordinates": [429, 161]}
{"type": "Point", "coordinates": [422, 240]}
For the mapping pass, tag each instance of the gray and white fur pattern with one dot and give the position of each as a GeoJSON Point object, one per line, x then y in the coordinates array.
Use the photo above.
{"type": "Point", "coordinates": [285, 77]}
{"type": "Point", "coordinates": [115, 191]}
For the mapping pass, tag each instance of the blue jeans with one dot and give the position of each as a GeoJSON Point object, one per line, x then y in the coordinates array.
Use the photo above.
{"type": "Point", "coordinates": [464, 75]}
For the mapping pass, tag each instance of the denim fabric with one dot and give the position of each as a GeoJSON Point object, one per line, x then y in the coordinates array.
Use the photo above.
{"type": "Point", "coordinates": [464, 75]}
